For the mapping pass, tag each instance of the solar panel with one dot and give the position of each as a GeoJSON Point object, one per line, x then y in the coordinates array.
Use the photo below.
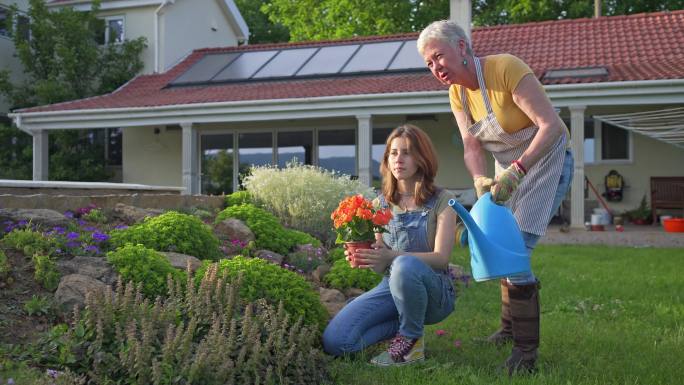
{"type": "Point", "coordinates": [372, 57]}
{"type": "Point", "coordinates": [205, 68]}
{"type": "Point", "coordinates": [286, 63]}
{"type": "Point", "coordinates": [328, 60]}
{"type": "Point", "coordinates": [244, 66]}
{"type": "Point", "coordinates": [408, 57]}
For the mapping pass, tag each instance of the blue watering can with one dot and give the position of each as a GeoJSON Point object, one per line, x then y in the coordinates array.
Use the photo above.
{"type": "Point", "coordinates": [496, 245]}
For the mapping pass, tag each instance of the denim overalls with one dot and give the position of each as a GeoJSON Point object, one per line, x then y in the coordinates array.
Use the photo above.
{"type": "Point", "coordinates": [410, 295]}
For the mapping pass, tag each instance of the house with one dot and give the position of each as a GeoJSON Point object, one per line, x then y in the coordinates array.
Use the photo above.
{"type": "Point", "coordinates": [172, 28]}
{"type": "Point", "coordinates": [332, 103]}
{"type": "Point", "coordinates": [8, 59]}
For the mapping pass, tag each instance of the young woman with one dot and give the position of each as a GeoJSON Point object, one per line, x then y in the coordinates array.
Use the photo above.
{"type": "Point", "coordinates": [413, 255]}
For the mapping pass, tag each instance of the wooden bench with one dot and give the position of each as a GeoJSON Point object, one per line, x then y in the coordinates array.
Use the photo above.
{"type": "Point", "coordinates": [667, 192]}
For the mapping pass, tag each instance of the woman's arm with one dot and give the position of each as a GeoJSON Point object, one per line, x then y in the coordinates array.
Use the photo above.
{"type": "Point", "coordinates": [472, 151]}
{"type": "Point", "coordinates": [380, 257]}
{"type": "Point", "coordinates": [533, 101]}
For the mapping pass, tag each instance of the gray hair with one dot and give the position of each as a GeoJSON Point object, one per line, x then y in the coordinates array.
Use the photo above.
{"type": "Point", "coordinates": [444, 30]}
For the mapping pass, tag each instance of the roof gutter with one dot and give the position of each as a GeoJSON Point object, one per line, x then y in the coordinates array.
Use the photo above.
{"type": "Point", "coordinates": [157, 49]}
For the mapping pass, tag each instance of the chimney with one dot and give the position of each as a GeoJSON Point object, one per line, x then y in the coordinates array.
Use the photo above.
{"type": "Point", "coordinates": [461, 12]}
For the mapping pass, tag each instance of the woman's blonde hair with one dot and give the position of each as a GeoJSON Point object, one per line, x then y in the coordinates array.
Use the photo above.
{"type": "Point", "coordinates": [444, 30]}
{"type": "Point", "coordinates": [423, 153]}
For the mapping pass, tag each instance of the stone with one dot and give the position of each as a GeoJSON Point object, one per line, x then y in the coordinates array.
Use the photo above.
{"type": "Point", "coordinates": [270, 256]}
{"type": "Point", "coordinates": [72, 291]}
{"type": "Point", "coordinates": [320, 272]}
{"type": "Point", "coordinates": [353, 292]}
{"type": "Point", "coordinates": [44, 217]}
{"type": "Point", "coordinates": [94, 267]}
{"type": "Point", "coordinates": [332, 299]}
{"type": "Point", "coordinates": [180, 261]}
{"type": "Point", "coordinates": [132, 214]}
{"type": "Point", "coordinates": [233, 229]}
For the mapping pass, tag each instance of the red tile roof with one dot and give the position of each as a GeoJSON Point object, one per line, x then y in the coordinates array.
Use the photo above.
{"type": "Point", "coordinates": [635, 47]}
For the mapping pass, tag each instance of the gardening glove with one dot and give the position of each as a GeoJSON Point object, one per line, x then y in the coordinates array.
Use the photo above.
{"type": "Point", "coordinates": [506, 183]}
{"type": "Point", "coordinates": [482, 185]}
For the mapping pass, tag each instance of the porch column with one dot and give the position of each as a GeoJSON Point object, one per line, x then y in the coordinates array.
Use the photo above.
{"type": "Point", "coordinates": [190, 163]}
{"type": "Point", "coordinates": [364, 144]}
{"type": "Point", "coordinates": [40, 155]}
{"type": "Point", "coordinates": [577, 144]}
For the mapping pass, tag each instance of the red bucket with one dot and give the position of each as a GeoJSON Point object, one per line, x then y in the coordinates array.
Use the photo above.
{"type": "Point", "coordinates": [674, 225]}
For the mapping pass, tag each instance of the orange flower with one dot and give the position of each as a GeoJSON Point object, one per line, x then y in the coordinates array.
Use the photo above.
{"type": "Point", "coordinates": [355, 219]}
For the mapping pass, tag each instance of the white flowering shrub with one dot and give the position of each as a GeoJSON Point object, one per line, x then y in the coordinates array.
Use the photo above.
{"type": "Point", "coordinates": [303, 196]}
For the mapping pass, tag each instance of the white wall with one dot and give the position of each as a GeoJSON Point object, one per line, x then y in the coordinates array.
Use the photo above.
{"type": "Point", "coordinates": [8, 60]}
{"type": "Point", "coordinates": [150, 158]}
{"type": "Point", "coordinates": [138, 22]}
{"type": "Point", "coordinates": [190, 24]}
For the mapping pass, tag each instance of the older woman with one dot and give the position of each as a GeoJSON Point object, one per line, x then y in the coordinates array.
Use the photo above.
{"type": "Point", "coordinates": [500, 107]}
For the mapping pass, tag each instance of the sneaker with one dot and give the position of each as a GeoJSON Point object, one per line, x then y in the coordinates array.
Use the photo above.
{"type": "Point", "coordinates": [401, 351]}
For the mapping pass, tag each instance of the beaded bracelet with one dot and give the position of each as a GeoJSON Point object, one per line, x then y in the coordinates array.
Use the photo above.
{"type": "Point", "coordinates": [520, 166]}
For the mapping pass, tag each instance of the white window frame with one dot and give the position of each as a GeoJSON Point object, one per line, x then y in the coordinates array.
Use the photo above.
{"type": "Point", "coordinates": [107, 19]}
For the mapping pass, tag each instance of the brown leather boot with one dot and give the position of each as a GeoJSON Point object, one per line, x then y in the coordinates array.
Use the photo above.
{"type": "Point", "coordinates": [524, 306]}
{"type": "Point", "coordinates": [505, 334]}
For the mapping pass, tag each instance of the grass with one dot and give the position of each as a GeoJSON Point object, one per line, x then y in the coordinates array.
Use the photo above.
{"type": "Point", "coordinates": [609, 316]}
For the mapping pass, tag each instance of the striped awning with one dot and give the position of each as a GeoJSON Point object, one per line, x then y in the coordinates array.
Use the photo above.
{"type": "Point", "coordinates": [664, 125]}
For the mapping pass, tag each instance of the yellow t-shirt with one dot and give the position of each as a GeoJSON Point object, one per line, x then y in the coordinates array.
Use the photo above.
{"type": "Point", "coordinates": [501, 73]}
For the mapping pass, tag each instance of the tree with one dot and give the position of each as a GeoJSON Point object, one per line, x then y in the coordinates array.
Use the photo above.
{"type": "Point", "coordinates": [63, 61]}
{"type": "Point", "coordinates": [261, 29]}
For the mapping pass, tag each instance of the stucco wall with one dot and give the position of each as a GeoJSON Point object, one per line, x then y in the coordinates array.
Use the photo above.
{"type": "Point", "coordinates": [8, 60]}
{"type": "Point", "coordinates": [187, 25]}
{"type": "Point", "coordinates": [138, 22]}
{"type": "Point", "coordinates": [150, 158]}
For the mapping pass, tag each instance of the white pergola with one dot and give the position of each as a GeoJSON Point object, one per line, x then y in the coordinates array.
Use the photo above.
{"type": "Point", "coordinates": [575, 97]}
{"type": "Point", "coordinates": [665, 125]}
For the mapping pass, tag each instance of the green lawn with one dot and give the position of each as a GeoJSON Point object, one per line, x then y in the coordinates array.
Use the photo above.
{"type": "Point", "coordinates": [609, 316]}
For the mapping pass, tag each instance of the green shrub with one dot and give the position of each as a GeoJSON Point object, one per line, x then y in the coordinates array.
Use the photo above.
{"type": "Point", "coordinates": [46, 273]}
{"type": "Point", "coordinates": [5, 267]}
{"type": "Point", "coordinates": [145, 266]}
{"type": "Point", "coordinates": [302, 196]}
{"type": "Point", "coordinates": [238, 198]}
{"type": "Point", "coordinates": [336, 254]}
{"type": "Point", "coordinates": [268, 231]}
{"type": "Point", "coordinates": [262, 279]}
{"type": "Point", "coordinates": [202, 335]}
{"type": "Point", "coordinates": [171, 231]}
{"type": "Point", "coordinates": [342, 276]}
{"type": "Point", "coordinates": [28, 241]}
{"type": "Point", "coordinates": [37, 305]}
{"type": "Point", "coordinates": [95, 215]}
{"type": "Point", "coordinates": [307, 258]}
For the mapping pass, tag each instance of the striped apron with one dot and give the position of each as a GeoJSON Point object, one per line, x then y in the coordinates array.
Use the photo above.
{"type": "Point", "coordinates": [533, 199]}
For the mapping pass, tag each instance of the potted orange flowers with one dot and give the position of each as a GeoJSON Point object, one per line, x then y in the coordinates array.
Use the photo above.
{"type": "Point", "coordinates": [356, 221]}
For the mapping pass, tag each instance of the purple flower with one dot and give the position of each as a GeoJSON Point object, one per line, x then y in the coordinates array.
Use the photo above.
{"type": "Point", "coordinates": [100, 237]}
{"type": "Point", "coordinates": [58, 229]}
{"type": "Point", "coordinates": [52, 373]}
{"type": "Point", "coordinates": [8, 222]}
{"type": "Point", "coordinates": [72, 244]}
{"type": "Point", "coordinates": [120, 227]}
{"type": "Point", "coordinates": [22, 223]}
{"type": "Point", "coordinates": [89, 228]}
{"type": "Point", "coordinates": [81, 222]}
{"type": "Point", "coordinates": [10, 381]}
{"type": "Point", "coordinates": [69, 214]}
{"type": "Point", "coordinates": [92, 249]}
{"type": "Point", "coordinates": [73, 235]}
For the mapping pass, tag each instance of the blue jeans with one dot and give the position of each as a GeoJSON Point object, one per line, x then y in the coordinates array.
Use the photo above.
{"type": "Point", "coordinates": [411, 296]}
{"type": "Point", "coordinates": [532, 239]}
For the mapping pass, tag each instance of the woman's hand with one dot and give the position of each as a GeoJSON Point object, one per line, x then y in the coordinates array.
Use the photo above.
{"type": "Point", "coordinates": [378, 258]}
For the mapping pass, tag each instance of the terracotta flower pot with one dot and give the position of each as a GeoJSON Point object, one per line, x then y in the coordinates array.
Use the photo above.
{"type": "Point", "coordinates": [353, 246]}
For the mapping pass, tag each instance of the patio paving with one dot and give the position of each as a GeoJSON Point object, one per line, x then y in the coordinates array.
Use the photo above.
{"type": "Point", "coordinates": [633, 235]}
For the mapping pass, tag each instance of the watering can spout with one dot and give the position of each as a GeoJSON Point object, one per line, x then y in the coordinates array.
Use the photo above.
{"type": "Point", "coordinates": [497, 248]}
